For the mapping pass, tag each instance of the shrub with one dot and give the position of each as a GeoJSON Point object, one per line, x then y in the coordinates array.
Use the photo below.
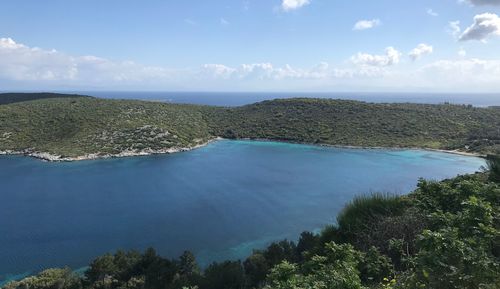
{"type": "Point", "coordinates": [256, 269]}
{"type": "Point", "coordinates": [361, 215]}
{"type": "Point", "coordinates": [337, 269]}
{"type": "Point", "coordinates": [48, 279]}
{"type": "Point", "coordinates": [493, 166]}
{"type": "Point", "coordinates": [374, 267]}
{"type": "Point", "coordinates": [225, 275]}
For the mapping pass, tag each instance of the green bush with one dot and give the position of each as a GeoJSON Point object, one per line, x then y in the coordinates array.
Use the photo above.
{"type": "Point", "coordinates": [48, 279]}
{"type": "Point", "coordinates": [225, 275]}
{"type": "Point", "coordinates": [337, 269]}
{"type": "Point", "coordinates": [374, 267]}
{"type": "Point", "coordinates": [493, 166]}
{"type": "Point", "coordinates": [363, 213]}
{"type": "Point", "coordinates": [461, 250]}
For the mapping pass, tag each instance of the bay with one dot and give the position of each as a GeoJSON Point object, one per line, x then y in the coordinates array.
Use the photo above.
{"type": "Point", "coordinates": [220, 201]}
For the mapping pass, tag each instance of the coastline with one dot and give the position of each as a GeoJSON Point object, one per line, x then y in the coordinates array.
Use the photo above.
{"type": "Point", "coordinates": [44, 156]}
{"type": "Point", "coordinates": [455, 152]}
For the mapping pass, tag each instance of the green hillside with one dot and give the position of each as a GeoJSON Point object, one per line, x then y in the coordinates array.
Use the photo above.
{"type": "Point", "coordinates": [342, 122]}
{"type": "Point", "coordinates": [79, 126]}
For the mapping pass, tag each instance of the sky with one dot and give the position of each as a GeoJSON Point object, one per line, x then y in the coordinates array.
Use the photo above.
{"type": "Point", "coordinates": [251, 45]}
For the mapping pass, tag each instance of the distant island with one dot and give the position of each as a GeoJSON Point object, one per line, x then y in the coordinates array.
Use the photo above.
{"type": "Point", "coordinates": [60, 127]}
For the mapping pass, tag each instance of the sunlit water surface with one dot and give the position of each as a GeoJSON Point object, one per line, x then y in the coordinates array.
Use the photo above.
{"type": "Point", "coordinates": [220, 201]}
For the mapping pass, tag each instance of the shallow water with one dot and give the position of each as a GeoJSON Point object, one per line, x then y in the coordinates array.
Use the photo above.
{"type": "Point", "coordinates": [220, 201]}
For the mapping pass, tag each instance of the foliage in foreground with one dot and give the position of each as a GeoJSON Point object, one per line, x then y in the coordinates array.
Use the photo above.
{"type": "Point", "coordinates": [443, 235]}
{"type": "Point", "coordinates": [493, 167]}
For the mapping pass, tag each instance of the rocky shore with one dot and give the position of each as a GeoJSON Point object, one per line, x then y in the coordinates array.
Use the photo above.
{"type": "Point", "coordinates": [128, 153]}
{"type": "Point", "coordinates": [146, 152]}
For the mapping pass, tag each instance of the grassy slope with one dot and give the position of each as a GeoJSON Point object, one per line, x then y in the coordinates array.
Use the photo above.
{"type": "Point", "coordinates": [340, 122]}
{"type": "Point", "coordinates": [75, 127]}
{"type": "Point", "coordinates": [78, 126]}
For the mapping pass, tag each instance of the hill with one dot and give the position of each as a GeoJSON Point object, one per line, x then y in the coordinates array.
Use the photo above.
{"type": "Point", "coordinates": [79, 127]}
{"type": "Point", "coordinates": [6, 98]}
{"type": "Point", "coordinates": [84, 127]}
{"type": "Point", "coordinates": [354, 123]}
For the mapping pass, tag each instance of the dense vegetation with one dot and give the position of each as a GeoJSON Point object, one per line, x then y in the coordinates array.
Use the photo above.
{"type": "Point", "coordinates": [341, 122]}
{"type": "Point", "coordinates": [443, 235]}
{"type": "Point", "coordinates": [81, 126]}
{"type": "Point", "coordinates": [6, 98]}
{"type": "Point", "coordinates": [73, 127]}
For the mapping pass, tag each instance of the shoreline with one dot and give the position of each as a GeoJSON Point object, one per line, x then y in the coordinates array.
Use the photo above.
{"type": "Point", "coordinates": [44, 156]}
{"type": "Point", "coordinates": [48, 157]}
{"type": "Point", "coordinates": [455, 152]}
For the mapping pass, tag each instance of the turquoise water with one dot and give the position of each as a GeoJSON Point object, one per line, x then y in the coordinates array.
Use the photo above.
{"type": "Point", "coordinates": [221, 201]}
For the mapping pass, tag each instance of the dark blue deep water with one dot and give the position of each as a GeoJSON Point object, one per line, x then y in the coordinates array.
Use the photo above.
{"type": "Point", "coordinates": [220, 201]}
{"type": "Point", "coordinates": [242, 98]}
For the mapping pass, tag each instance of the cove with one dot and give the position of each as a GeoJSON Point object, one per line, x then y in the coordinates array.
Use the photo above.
{"type": "Point", "coordinates": [220, 201]}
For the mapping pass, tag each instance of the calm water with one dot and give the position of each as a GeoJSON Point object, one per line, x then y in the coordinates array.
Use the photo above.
{"type": "Point", "coordinates": [220, 201]}
{"type": "Point", "coordinates": [241, 98]}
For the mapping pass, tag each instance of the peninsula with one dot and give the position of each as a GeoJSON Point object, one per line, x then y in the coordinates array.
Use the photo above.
{"type": "Point", "coordinates": [59, 127]}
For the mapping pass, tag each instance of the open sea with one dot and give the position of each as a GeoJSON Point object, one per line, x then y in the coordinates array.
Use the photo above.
{"type": "Point", "coordinates": [242, 98]}
{"type": "Point", "coordinates": [220, 201]}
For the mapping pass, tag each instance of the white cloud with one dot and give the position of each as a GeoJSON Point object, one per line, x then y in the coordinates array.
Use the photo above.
{"type": "Point", "coordinates": [454, 28]}
{"type": "Point", "coordinates": [24, 67]}
{"type": "Point", "coordinates": [19, 62]}
{"type": "Point", "coordinates": [366, 24]}
{"type": "Point", "coordinates": [288, 5]}
{"type": "Point", "coordinates": [420, 50]}
{"type": "Point", "coordinates": [484, 25]}
{"type": "Point", "coordinates": [218, 70]}
{"type": "Point", "coordinates": [265, 71]}
{"type": "Point", "coordinates": [461, 52]}
{"type": "Point", "coordinates": [224, 21]}
{"type": "Point", "coordinates": [470, 73]}
{"type": "Point", "coordinates": [391, 57]}
{"type": "Point", "coordinates": [482, 2]}
{"type": "Point", "coordinates": [432, 12]}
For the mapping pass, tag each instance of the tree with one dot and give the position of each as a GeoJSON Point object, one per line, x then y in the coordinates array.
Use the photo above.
{"type": "Point", "coordinates": [127, 264]}
{"type": "Point", "coordinates": [374, 267]}
{"type": "Point", "coordinates": [101, 268]}
{"type": "Point", "coordinates": [277, 252]}
{"type": "Point", "coordinates": [158, 272]}
{"type": "Point", "coordinates": [225, 275]}
{"type": "Point", "coordinates": [493, 166]}
{"type": "Point", "coordinates": [256, 269]}
{"type": "Point", "coordinates": [460, 254]}
{"type": "Point", "coordinates": [337, 269]}
{"type": "Point", "coordinates": [188, 272]}
{"type": "Point", "coordinates": [48, 279]}
{"type": "Point", "coordinates": [307, 242]}
{"type": "Point", "coordinates": [285, 276]}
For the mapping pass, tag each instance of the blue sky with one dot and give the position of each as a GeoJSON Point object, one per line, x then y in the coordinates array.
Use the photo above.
{"type": "Point", "coordinates": [253, 45]}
